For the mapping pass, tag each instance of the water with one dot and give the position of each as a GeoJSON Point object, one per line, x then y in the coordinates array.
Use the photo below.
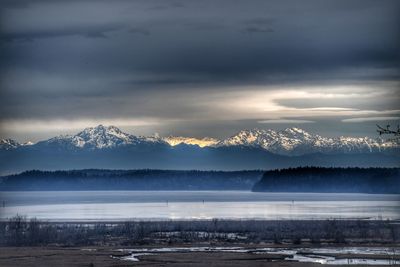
{"type": "Point", "coordinates": [159, 205]}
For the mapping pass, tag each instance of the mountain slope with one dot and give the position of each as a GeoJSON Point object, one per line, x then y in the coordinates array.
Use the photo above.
{"type": "Point", "coordinates": [99, 137]}
{"type": "Point", "coordinates": [295, 141]}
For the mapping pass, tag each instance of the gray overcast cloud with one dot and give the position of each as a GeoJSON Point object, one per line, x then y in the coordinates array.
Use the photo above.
{"type": "Point", "coordinates": [198, 67]}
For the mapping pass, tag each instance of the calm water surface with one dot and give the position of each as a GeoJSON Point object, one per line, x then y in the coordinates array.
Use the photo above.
{"type": "Point", "coordinates": [159, 205]}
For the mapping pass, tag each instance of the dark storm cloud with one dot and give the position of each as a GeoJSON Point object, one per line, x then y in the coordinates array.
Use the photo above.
{"type": "Point", "coordinates": [171, 60]}
{"type": "Point", "coordinates": [253, 29]}
{"type": "Point", "coordinates": [142, 31]}
{"type": "Point", "coordinates": [98, 31]}
{"type": "Point", "coordinates": [166, 6]}
{"type": "Point", "coordinates": [18, 4]}
{"type": "Point", "coordinates": [14, 4]}
{"type": "Point", "coordinates": [312, 37]}
{"type": "Point", "coordinates": [258, 25]}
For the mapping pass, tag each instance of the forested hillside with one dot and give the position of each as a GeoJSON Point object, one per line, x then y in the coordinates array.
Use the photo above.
{"type": "Point", "coordinates": [316, 179]}
{"type": "Point", "coordinates": [130, 180]}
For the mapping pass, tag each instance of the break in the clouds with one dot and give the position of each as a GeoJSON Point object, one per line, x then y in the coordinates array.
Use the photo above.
{"type": "Point", "coordinates": [377, 119]}
{"type": "Point", "coordinates": [198, 67]}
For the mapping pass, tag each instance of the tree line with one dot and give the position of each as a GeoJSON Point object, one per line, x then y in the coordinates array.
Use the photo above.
{"type": "Point", "coordinates": [145, 179]}
{"type": "Point", "coordinates": [343, 180]}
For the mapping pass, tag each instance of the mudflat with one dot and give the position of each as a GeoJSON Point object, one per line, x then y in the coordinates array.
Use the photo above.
{"type": "Point", "coordinates": [110, 256]}
{"type": "Point", "coordinates": [200, 243]}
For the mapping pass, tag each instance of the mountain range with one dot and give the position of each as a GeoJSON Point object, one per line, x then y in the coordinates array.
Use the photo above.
{"type": "Point", "coordinates": [291, 141]}
{"type": "Point", "coordinates": [108, 146]}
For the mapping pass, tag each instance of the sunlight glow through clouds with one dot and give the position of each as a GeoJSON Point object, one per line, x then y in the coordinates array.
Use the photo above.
{"type": "Point", "coordinates": [265, 103]}
{"type": "Point", "coordinates": [370, 119]}
{"type": "Point", "coordinates": [185, 70]}
{"type": "Point", "coordinates": [262, 104]}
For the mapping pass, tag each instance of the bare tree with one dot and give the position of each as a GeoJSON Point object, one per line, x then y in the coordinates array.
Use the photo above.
{"type": "Point", "coordinates": [395, 134]}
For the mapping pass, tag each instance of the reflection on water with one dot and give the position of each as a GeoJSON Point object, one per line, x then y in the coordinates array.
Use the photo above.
{"type": "Point", "coordinates": [141, 205]}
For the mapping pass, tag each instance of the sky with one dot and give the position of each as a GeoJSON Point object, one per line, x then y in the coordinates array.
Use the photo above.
{"type": "Point", "coordinates": [198, 68]}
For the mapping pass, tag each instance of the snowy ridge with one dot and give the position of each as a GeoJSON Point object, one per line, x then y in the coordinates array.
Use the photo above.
{"type": "Point", "coordinates": [295, 141]}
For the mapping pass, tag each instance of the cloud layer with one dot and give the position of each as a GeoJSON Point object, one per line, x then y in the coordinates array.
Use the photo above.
{"type": "Point", "coordinates": [198, 67]}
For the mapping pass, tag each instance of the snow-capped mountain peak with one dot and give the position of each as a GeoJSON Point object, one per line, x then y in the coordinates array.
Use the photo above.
{"type": "Point", "coordinates": [101, 137]}
{"type": "Point", "coordinates": [296, 132]}
{"type": "Point", "coordinates": [8, 144]}
{"type": "Point", "coordinates": [98, 137]}
{"type": "Point", "coordinates": [296, 141]}
{"type": "Point", "coordinates": [255, 137]}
